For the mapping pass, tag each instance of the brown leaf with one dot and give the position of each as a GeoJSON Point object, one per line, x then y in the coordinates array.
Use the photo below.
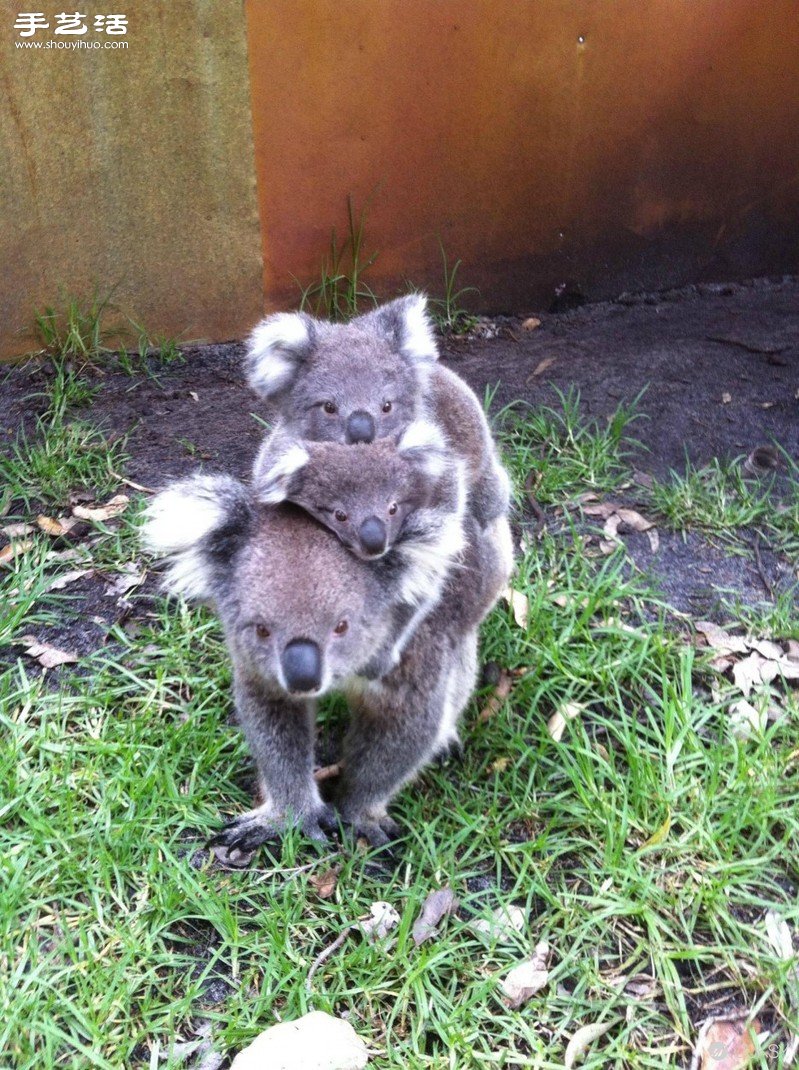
{"type": "Point", "coordinates": [56, 527]}
{"type": "Point", "coordinates": [8, 553]}
{"type": "Point", "coordinates": [542, 366]}
{"type": "Point", "coordinates": [118, 504]}
{"type": "Point", "coordinates": [438, 904]}
{"type": "Point", "coordinates": [634, 520]}
{"type": "Point", "coordinates": [130, 575]}
{"type": "Point", "coordinates": [324, 883]}
{"type": "Point", "coordinates": [792, 651]}
{"type": "Point", "coordinates": [654, 540]}
{"type": "Point", "coordinates": [600, 509]}
{"type": "Point", "coordinates": [719, 640]}
{"type": "Point", "coordinates": [531, 323]}
{"type": "Point", "coordinates": [745, 719]}
{"type": "Point", "coordinates": [527, 978]}
{"type": "Point", "coordinates": [382, 918]}
{"type": "Point", "coordinates": [726, 1043]}
{"type": "Point", "coordinates": [47, 656]}
{"type": "Point", "coordinates": [497, 697]}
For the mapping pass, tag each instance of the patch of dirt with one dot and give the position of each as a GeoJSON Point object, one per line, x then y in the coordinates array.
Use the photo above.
{"type": "Point", "coordinates": [719, 365]}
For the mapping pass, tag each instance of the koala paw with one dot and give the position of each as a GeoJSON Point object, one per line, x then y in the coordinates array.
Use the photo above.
{"type": "Point", "coordinates": [452, 750]}
{"type": "Point", "coordinates": [377, 829]}
{"type": "Point", "coordinates": [237, 841]}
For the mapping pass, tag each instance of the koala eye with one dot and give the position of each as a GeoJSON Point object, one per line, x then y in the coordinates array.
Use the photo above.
{"type": "Point", "coordinates": [341, 516]}
{"type": "Point", "coordinates": [392, 509]}
{"type": "Point", "coordinates": [341, 627]}
{"type": "Point", "coordinates": [386, 406]}
{"type": "Point", "coordinates": [330, 407]}
{"type": "Point", "coordinates": [262, 631]}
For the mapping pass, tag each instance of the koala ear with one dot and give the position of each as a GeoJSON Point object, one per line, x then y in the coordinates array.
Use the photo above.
{"type": "Point", "coordinates": [276, 468]}
{"type": "Point", "coordinates": [195, 525]}
{"type": "Point", "coordinates": [276, 350]}
{"type": "Point", "coordinates": [405, 323]}
{"type": "Point", "coordinates": [423, 445]}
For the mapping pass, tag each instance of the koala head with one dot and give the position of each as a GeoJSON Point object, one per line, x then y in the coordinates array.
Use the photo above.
{"type": "Point", "coordinates": [365, 494]}
{"type": "Point", "coordinates": [300, 612]}
{"type": "Point", "coordinates": [352, 382]}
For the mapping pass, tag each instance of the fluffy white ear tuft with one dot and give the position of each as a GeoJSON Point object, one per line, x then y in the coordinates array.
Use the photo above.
{"type": "Point", "coordinates": [275, 349]}
{"type": "Point", "coordinates": [418, 338]}
{"type": "Point", "coordinates": [423, 444]}
{"type": "Point", "coordinates": [179, 520]}
{"type": "Point", "coordinates": [274, 470]}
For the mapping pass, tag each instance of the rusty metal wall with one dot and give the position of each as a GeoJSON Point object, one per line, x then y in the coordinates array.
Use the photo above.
{"type": "Point", "coordinates": [601, 144]}
{"type": "Point", "coordinates": [132, 167]}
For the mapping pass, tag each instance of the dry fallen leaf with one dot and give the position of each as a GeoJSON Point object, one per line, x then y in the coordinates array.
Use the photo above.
{"type": "Point", "coordinates": [8, 553]}
{"type": "Point", "coordinates": [438, 904]}
{"type": "Point", "coordinates": [725, 1044]}
{"type": "Point", "coordinates": [567, 711]}
{"type": "Point", "coordinates": [504, 923]}
{"type": "Point", "coordinates": [324, 883]}
{"type": "Point", "coordinates": [633, 519]}
{"type": "Point", "coordinates": [531, 323]}
{"type": "Point", "coordinates": [719, 640]}
{"type": "Point", "coordinates": [48, 656]}
{"type": "Point", "coordinates": [527, 978]}
{"type": "Point", "coordinates": [497, 696]}
{"type": "Point", "coordinates": [519, 604]}
{"type": "Point", "coordinates": [64, 580]}
{"type": "Point", "coordinates": [581, 1039]}
{"type": "Point", "coordinates": [381, 920]}
{"type": "Point", "coordinates": [654, 540]}
{"type": "Point", "coordinates": [726, 398]}
{"type": "Point", "coordinates": [56, 527]}
{"type": "Point", "coordinates": [745, 719]}
{"type": "Point", "coordinates": [542, 365]}
{"type": "Point", "coordinates": [118, 504]}
{"type": "Point", "coordinates": [643, 479]}
{"type": "Point", "coordinates": [129, 576]}
{"type": "Point", "coordinates": [747, 672]}
{"type": "Point", "coordinates": [17, 531]}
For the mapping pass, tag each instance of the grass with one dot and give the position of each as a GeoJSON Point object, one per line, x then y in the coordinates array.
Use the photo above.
{"type": "Point", "coordinates": [448, 310]}
{"type": "Point", "coordinates": [341, 291]}
{"type": "Point", "coordinates": [647, 841]}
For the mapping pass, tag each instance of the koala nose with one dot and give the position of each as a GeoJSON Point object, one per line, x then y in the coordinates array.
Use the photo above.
{"type": "Point", "coordinates": [372, 534]}
{"type": "Point", "coordinates": [302, 665]}
{"type": "Point", "coordinates": [360, 427]}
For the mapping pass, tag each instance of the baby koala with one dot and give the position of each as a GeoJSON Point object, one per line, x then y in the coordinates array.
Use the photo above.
{"type": "Point", "coordinates": [372, 378]}
{"type": "Point", "coordinates": [402, 501]}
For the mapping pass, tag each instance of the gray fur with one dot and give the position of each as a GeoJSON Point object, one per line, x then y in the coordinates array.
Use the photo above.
{"type": "Point", "coordinates": [275, 568]}
{"type": "Point", "coordinates": [387, 356]}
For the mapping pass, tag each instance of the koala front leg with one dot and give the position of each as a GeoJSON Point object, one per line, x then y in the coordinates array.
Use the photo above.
{"type": "Point", "coordinates": [280, 733]}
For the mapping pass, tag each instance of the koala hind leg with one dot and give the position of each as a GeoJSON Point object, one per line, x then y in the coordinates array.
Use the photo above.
{"type": "Point", "coordinates": [398, 725]}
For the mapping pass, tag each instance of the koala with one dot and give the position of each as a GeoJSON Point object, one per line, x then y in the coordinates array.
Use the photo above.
{"type": "Point", "coordinates": [302, 616]}
{"type": "Point", "coordinates": [404, 500]}
{"type": "Point", "coordinates": [370, 379]}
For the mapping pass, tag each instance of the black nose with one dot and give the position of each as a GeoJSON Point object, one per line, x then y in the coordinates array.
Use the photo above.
{"type": "Point", "coordinates": [302, 665]}
{"type": "Point", "coordinates": [360, 427]}
{"type": "Point", "coordinates": [372, 534]}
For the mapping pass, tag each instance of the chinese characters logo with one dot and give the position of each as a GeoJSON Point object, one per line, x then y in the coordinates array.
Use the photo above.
{"type": "Point", "coordinates": [28, 23]}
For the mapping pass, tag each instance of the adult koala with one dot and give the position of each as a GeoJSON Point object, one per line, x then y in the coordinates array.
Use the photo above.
{"type": "Point", "coordinates": [304, 616]}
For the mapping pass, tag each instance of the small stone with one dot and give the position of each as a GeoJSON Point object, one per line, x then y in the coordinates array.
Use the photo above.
{"type": "Point", "coordinates": [317, 1041]}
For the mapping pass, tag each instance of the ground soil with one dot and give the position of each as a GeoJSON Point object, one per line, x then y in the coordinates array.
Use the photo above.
{"type": "Point", "coordinates": [718, 365]}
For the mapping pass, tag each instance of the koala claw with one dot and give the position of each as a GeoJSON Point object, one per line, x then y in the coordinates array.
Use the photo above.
{"type": "Point", "coordinates": [236, 841]}
{"type": "Point", "coordinates": [377, 831]}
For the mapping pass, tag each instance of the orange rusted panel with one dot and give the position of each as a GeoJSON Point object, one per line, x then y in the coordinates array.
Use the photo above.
{"type": "Point", "coordinates": [604, 145]}
{"type": "Point", "coordinates": [130, 166]}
